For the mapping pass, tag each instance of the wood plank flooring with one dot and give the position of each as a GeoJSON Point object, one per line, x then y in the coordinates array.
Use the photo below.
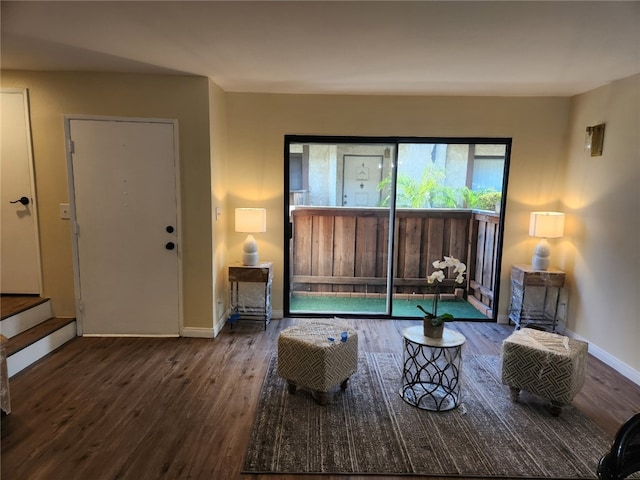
{"type": "Point", "coordinates": [144, 408]}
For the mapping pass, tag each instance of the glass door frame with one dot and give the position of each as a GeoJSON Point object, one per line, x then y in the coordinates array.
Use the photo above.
{"type": "Point", "coordinates": [396, 142]}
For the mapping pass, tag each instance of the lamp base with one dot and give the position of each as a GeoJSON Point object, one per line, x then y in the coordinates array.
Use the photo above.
{"type": "Point", "coordinates": [250, 251]}
{"type": "Point", "coordinates": [540, 259]}
{"type": "Point", "coordinates": [250, 259]}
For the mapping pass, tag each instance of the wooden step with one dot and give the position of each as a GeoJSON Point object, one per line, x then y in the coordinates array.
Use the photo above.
{"type": "Point", "coordinates": [31, 331]}
{"type": "Point", "coordinates": [21, 316]}
{"type": "Point", "coordinates": [28, 347]}
{"type": "Point", "coordinates": [34, 334]}
{"type": "Point", "coordinates": [14, 304]}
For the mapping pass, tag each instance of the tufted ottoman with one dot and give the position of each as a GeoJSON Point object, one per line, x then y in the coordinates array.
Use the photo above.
{"type": "Point", "coordinates": [317, 356]}
{"type": "Point", "coordinates": [545, 364]}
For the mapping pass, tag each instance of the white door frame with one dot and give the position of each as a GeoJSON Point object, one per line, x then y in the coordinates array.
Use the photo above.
{"type": "Point", "coordinates": [72, 207]}
{"type": "Point", "coordinates": [33, 205]}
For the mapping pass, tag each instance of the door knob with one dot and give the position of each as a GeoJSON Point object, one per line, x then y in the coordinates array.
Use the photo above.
{"type": "Point", "coordinates": [22, 200]}
{"type": "Point", "coordinates": [170, 246]}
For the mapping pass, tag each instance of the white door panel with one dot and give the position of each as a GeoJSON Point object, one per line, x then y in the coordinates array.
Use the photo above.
{"type": "Point", "coordinates": [125, 204]}
{"type": "Point", "coordinates": [362, 174]}
{"type": "Point", "coordinates": [20, 254]}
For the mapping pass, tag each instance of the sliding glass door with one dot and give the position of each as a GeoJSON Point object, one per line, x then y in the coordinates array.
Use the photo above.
{"type": "Point", "coordinates": [367, 217]}
{"type": "Point", "coordinates": [339, 230]}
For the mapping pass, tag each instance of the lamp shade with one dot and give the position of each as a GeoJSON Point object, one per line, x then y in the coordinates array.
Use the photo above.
{"type": "Point", "coordinates": [251, 220]}
{"type": "Point", "coordinates": [546, 224]}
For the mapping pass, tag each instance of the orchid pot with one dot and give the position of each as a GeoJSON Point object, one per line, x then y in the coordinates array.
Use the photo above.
{"type": "Point", "coordinates": [432, 331]}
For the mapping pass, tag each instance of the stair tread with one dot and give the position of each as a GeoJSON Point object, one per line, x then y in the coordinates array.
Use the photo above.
{"type": "Point", "coordinates": [28, 337]}
{"type": "Point", "coordinates": [13, 304]}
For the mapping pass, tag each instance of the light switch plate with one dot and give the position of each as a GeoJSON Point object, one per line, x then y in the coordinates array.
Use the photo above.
{"type": "Point", "coordinates": [65, 212]}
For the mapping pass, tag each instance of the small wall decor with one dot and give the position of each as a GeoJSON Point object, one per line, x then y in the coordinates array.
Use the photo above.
{"type": "Point", "coordinates": [595, 139]}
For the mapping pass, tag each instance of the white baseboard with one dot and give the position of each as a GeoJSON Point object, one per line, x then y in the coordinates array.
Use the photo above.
{"type": "Point", "coordinates": [219, 326]}
{"type": "Point", "coordinates": [197, 332]}
{"type": "Point", "coordinates": [192, 332]}
{"type": "Point", "coordinates": [605, 357]}
{"type": "Point", "coordinates": [128, 335]}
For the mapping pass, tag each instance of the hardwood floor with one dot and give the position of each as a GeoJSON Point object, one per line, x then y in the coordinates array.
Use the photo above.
{"type": "Point", "coordinates": [144, 408]}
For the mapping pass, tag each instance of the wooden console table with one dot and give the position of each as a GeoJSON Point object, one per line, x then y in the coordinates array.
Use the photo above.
{"type": "Point", "coordinates": [251, 304]}
{"type": "Point", "coordinates": [535, 296]}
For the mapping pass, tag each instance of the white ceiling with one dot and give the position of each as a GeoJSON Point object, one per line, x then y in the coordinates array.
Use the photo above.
{"type": "Point", "coordinates": [360, 47]}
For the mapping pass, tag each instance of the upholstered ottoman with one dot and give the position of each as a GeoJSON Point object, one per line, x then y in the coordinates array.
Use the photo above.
{"type": "Point", "coordinates": [545, 364]}
{"type": "Point", "coordinates": [317, 356]}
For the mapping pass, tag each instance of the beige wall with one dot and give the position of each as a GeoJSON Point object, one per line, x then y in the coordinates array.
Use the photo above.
{"type": "Point", "coordinates": [219, 192]}
{"type": "Point", "coordinates": [231, 148]}
{"type": "Point", "coordinates": [601, 199]}
{"type": "Point", "coordinates": [549, 171]}
{"type": "Point", "coordinates": [53, 95]}
{"type": "Point", "coordinates": [257, 124]}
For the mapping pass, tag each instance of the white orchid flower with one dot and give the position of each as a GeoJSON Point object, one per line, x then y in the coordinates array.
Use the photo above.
{"type": "Point", "coordinates": [440, 264]}
{"type": "Point", "coordinates": [460, 268]}
{"type": "Point", "coordinates": [437, 275]}
{"type": "Point", "coordinates": [449, 262]}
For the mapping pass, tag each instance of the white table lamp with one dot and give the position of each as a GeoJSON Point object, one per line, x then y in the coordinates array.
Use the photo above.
{"type": "Point", "coordinates": [250, 220]}
{"type": "Point", "coordinates": [544, 225]}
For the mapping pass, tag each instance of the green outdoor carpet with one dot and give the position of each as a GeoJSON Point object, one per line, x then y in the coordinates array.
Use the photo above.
{"type": "Point", "coordinates": [369, 429]}
{"type": "Point", "coordinates": [461, 310]}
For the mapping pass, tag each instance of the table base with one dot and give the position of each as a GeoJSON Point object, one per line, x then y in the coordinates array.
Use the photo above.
{"type": "Point", "coordinates": [430, 396]}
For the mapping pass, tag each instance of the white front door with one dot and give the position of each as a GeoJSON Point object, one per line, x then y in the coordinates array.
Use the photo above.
{"type": "Point", "coordinates": [20, 252]}
{"type": "Point", "coordinates": [362, 174]}
{"type": "Point", "coordinates": [124, 204]}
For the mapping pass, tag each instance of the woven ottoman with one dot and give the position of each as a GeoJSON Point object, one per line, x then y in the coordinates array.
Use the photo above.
{"type": "Point", "coordinates": [317, 356]}
{"type": "Point", "coordinates": [545, 364]}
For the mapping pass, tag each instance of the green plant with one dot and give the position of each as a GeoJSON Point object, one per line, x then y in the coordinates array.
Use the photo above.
{"type": "Point", "coordinates": [445, 197]}
{"type": "Point", "coordinates": [488, 198]}
{"type": "Point", "coordinates": [469, 197]}
{"type": "Point", "coordinates": [436, 278]}
{"type": "Point", "coordinates": [429, 192]}
{"type": "Point", "coordinates": [412, 193]}
{"type": "Point", "coordinates": [483, 199]}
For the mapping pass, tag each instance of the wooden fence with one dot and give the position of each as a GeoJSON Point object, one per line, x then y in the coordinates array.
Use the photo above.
{"type": "Point", "coordinates": [483, 262]}
{"type": "Point", "coordinates": [338, 249]}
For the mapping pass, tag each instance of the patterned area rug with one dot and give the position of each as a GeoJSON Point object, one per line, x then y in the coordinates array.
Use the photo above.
{"type": "Point", "coordinates": [369, 429]}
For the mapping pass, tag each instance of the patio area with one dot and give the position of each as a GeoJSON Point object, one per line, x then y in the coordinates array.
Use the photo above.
{"type": "Point", "coordinates": [401, 307]}
{"type": "Point", "coordinates": [340, 258]}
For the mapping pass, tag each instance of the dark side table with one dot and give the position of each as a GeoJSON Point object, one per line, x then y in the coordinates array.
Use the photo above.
{"type": "Point", "coordinates": [431, 370]}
